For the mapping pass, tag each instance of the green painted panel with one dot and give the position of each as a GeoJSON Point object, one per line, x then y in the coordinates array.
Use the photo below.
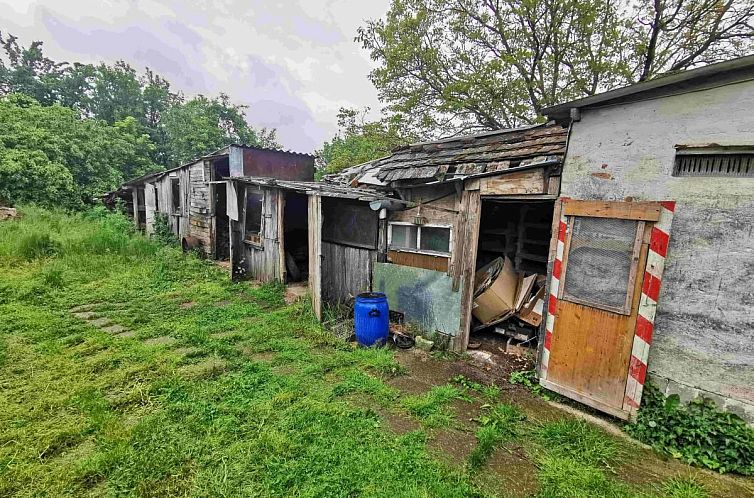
{"type": "Point", "coordinates": [425, 297]}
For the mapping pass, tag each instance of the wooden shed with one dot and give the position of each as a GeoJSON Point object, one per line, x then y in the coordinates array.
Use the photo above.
{"type": "Point", "coordinates": [191, 198]}
{"type": "Point", "coordinates": [466, 201]}
{"type": "Point", "coordinates": [325, 235]}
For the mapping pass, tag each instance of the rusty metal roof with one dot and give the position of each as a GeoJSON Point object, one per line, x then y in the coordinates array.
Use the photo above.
{"type": "Point", "coordinates": [462, 156]}
{"type": "Point", "coordinates": [320, 188]}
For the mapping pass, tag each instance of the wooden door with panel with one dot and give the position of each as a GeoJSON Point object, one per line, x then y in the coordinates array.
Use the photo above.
{"type": "Point", "coordinates": [599, 278]}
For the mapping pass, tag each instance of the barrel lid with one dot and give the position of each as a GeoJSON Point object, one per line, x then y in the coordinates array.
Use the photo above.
{"type": "Point", "coordinates": [371, 295]}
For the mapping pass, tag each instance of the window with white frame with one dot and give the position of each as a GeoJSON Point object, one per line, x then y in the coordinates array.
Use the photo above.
{"type": "Point", "coordinates": [432, 239]}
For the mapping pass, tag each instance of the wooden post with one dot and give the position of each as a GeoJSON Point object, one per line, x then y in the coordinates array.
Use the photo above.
{"type": "Point", "coordinates": [135, 194]}
{"type": "Point", "coordinates": [315, 253]}
{"type": "Point", "coordinates": [471, 205]}
{"type": "Point", "coordinates": [281, 234]}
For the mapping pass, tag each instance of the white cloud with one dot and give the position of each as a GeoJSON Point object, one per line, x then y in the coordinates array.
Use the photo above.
{"type": "Point", "coordinates": [293, 62]}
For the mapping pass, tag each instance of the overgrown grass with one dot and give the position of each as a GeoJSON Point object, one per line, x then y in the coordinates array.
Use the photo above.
{"type": "Point", "coordinates": [85, 413]}
{"type": "Point", "coordinates": [250, 397]}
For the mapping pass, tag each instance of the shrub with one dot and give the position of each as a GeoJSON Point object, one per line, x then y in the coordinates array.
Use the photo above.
{"type": "Point", "coordinates": [163, 232]}
{"type": "Point", "coordinates": [698, 433]}
{"type": "Point", "coordinates": [36, 245]}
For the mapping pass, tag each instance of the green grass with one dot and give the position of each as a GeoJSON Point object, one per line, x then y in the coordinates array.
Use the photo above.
{"type": "Point", "coordinates": [577, 440]}
{"type": "Point", "coordinates": [252, 397]}
{"type": "Point", "coordinates": [500, 423]}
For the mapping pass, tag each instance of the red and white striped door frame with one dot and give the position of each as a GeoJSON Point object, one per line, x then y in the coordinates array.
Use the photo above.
{"type": "Point", "coordinates": [658, 250]}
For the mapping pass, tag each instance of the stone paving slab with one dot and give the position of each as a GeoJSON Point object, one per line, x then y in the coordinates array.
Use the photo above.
{"type": "Point", "coordinates": [115, 329]}
{"type": "Point", "coordinates": [85, 315]}
{"type": "Point", "coordinates": [164, 340]}
{"type": "Point", "coordinates": [100, 322]}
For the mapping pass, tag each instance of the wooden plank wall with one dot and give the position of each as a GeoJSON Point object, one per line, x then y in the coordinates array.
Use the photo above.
{"type": "Point", "coordinates": [346, 271]}
{"type": "Point", "coordinates": [199, 215]}
{"type": "Point", "coordinates": [264, 262]}
{"type": "Point", "coordinates": [426, 261]}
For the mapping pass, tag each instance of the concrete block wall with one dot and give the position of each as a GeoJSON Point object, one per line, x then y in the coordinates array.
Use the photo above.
{"type": "Point", "coordinates": [704, 335]}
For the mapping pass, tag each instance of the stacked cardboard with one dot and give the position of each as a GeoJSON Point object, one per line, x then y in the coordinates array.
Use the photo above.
{"type": "Point", "coordinates": [501, 293]}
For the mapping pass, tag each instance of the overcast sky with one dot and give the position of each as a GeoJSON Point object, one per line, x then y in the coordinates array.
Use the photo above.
{"type": "Point", "coordinates": [293, 62]}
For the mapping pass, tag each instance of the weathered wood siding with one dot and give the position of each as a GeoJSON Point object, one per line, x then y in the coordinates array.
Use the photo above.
{"type": "Point", "coordinates": [346, 271]}
{"type": "Point", "coordinates": [195, 214]}
{"type": "Point", "coordinates": [263, 262]}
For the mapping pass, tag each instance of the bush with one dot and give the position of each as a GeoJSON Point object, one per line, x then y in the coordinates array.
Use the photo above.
{"type": "Point", "coordinates": [698, 433]}
{"type": "Point", "coordinates": [163, 232]}
{"type": "Point", "coordinates": [36, 245]}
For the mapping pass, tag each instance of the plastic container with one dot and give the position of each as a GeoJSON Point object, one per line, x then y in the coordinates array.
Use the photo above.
{"type": "Point", "coordinates": [371, 320]}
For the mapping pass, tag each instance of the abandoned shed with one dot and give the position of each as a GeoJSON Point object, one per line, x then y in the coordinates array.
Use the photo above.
{"type": "Point", "coordinates": [326, 236]}
{"type": "Point", "coordinates": [680, 148]}
{"type": "Point", "coordinates": [191, 198]}
{"type": "Point", "coordinates": [469, 203]}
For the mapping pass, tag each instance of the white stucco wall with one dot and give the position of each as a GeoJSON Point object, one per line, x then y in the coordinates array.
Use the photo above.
{"type": "Point", "coordinates": [704, 336]}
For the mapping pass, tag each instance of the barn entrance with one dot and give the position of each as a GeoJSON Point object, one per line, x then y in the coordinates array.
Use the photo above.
{"type": "Point", "coordinates": [296, 237]}
{"type": "Point", "coordinates": [511, 269]}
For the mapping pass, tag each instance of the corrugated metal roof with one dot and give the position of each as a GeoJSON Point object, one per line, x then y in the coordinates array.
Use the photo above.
{"type": "Point", "coordinates": [321, 188]}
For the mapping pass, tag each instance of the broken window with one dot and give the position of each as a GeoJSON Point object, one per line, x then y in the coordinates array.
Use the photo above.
{"type": "Point", "coordinates": [349, 222]}
{"type": "Point", "coordinates": [253, 214]}
{"type": "Point", "coordinates": [420, 238]}
{"type": "Point", "coordinates": [175, 191]}
{"type": "Point", "coordinates": [598, 266]}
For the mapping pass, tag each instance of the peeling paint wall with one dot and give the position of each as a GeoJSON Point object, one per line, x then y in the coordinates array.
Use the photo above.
{"type": "Point", "coordinates": [704, 337]}
{"type": "Point", "coordinates": [425, 297]}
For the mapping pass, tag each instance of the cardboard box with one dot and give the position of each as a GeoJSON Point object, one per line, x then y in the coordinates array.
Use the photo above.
{"type": "Point", "coordinates": [532, 312]}
{"type": "Point", "coordinates": [499, 298]}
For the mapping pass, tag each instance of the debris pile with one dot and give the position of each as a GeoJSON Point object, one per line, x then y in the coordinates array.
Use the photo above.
{"type": "Point", "coordinates": [509, 302]}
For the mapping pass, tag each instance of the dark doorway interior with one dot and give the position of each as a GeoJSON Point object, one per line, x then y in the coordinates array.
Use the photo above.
{"type": "Point", "coordinates": [519, 230]}
{"type": "Point", "coordinates": [142, 213]}
{"type": "Point", "coordinates": [296, 237]}
{"type": "Point", "coordinates": [221, 170]}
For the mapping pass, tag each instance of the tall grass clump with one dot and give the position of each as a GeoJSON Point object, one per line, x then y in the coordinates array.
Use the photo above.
{"type": "Point", "coordinates": [36, 245]}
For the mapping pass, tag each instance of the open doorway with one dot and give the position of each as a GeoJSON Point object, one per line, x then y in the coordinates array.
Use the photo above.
{"type": "Point", "coordinates": [220, 171]}
{"type": "Point", "coordinates": [514, 241]}
{"type": "Point", "coordinates": [296, 237]}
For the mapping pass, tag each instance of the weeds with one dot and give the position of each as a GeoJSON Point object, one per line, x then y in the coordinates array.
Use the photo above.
{"type": "Point", "coordinates": [528, 379]}
{"type": "Point", "coordinates": [431, 408]}
{"type": "Point", "coordinates": [698, 434]}
{"type": "Point", "coordinates": [680, 487]}
{"type": "Point", "coordinates": [577, 440]}
{"type": "Point", "coordinates": [498, 424]}
{"type": "Point", "coordinates": [263, 411]}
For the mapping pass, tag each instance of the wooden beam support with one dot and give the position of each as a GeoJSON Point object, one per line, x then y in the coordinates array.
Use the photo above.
{"type": "Point", "coordinates": [644, 211]}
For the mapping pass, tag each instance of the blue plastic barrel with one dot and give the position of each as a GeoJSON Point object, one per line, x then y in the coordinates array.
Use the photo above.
{"type": "Point", "coordinates": [371, 319]}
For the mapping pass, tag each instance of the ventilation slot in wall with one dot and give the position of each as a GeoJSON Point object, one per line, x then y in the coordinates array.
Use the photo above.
{"type": "Point", "coordinates": [714, 164]}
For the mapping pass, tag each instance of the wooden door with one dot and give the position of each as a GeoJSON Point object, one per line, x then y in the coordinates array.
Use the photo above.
{"type": "Point", "coordinates": [597, 302]}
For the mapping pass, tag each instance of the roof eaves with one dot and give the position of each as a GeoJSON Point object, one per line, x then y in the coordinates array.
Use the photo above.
{"type": "Point", "coordinates": [667, 80]}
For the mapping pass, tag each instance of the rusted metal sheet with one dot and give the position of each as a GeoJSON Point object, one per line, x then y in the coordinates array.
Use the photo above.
{"type": "Point", "coordinates": [277, 164]}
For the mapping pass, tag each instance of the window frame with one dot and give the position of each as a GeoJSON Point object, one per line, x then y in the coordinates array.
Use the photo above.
{"type": "Point", "coordinates": [626, 309]}
{"type": "Point", "coordinates": [418, 249]}
{"type": "Point", "coordinates": [253, 238]}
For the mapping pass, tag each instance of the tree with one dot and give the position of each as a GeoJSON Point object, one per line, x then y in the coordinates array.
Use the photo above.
{"type": "Point", "coordinates": [51, 156]}
{"type": "Point", "coordinates": [677, 34]}
{"type": "Point", "coordinates": [451, 66]}
{"type": "Point", "coordinates": [359, 141]}
{"type": "Point", "coordinates": [202, 125]}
